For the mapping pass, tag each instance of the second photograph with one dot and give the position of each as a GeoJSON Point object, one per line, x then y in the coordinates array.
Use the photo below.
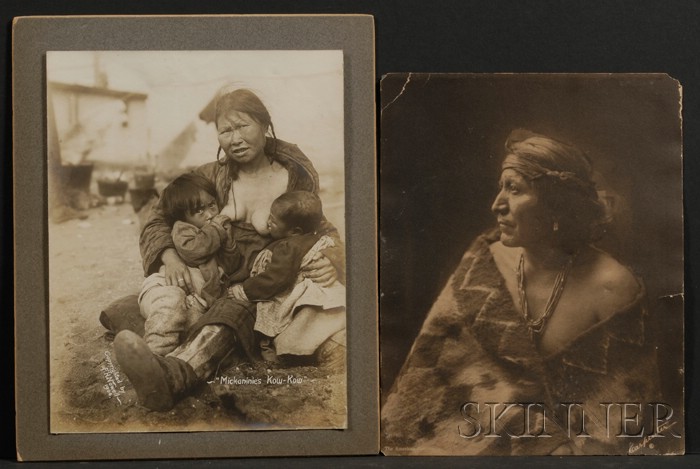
{"type": "Point", "coordinates": [531, 264]}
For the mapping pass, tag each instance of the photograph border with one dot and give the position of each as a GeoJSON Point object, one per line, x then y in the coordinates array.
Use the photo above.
{"type": "Point", "coordinates": [32, 38]}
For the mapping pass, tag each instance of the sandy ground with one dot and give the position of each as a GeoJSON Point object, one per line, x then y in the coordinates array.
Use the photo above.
{"type": "Point", "coordinates": [96, 261]}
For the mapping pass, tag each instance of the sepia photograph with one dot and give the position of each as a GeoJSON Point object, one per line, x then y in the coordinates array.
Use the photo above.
{"type": "Point", "coordinates": [531, 264]}
{"type": "Point", "coordinates": [196, 240]}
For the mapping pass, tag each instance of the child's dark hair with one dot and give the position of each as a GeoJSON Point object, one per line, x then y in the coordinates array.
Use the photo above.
{"type": "Point", "coordinates": [182, 196]}
{"type": "Point", "coordinates": [300, 209]}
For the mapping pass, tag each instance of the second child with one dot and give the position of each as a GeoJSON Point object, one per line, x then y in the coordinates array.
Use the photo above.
{"type": "Point", "coordinates": [278, 287]}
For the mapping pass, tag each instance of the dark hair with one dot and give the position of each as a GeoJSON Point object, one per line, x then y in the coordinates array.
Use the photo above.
{"type": "Point", "coordinates": [244, 100]}
{"type": "Point", "coordinates": [300, 209]}
{"type": "Point", "coordinates": [182, 196]}
{"type": "Point", "coordinates": [562, 176]}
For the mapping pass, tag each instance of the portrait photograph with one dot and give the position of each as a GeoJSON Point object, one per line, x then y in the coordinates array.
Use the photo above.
{"type": "Point", "coordinates": [531, 264]}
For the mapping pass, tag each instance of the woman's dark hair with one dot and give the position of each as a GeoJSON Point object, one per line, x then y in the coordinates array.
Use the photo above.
{"type": "Point", "coordinates": [562, 175]}
{"type": "Point", "coordinates": [182, 196]}
{"type": "Point", "coordinates": [244, 100]}
{"type": "Point", "coordinates": [300, 209]}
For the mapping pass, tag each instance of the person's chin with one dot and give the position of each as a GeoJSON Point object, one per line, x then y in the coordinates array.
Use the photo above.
{"type": "Point", "coordinates": [241, 158]}
{"type": "Point", "coordinates": [246, 157]}
{"type": "Point", "coordinates": [509, 241]}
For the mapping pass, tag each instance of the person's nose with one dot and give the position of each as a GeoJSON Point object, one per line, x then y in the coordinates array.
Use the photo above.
{"type": "Point", "coordinates": [236, 137]}
{"type": "Point", "coordinates": [230, 139]}
{"type": "Point", "coordinates": [500, 204]}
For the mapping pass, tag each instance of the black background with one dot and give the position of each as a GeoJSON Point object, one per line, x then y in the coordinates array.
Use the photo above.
{"type": "Point", "coordinates": [444, 36]}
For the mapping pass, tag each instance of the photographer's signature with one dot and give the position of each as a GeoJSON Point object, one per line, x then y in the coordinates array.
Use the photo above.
{"type": "Point", "coordinates": [113, 387]}
{"type": "Point", "coordinates": [646, 441]}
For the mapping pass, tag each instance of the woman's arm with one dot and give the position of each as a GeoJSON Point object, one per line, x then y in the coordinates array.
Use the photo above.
{"type": "Point", "coordinates": [327, 265]}
{"type": "Point", "coordinates": [157, 248]}
{"type": "Point", "coordinates": [335, 254]}
{"type": "Point", "coordinates": [155, 238]}
{"type": "Point", "coordinates": [176, 271]}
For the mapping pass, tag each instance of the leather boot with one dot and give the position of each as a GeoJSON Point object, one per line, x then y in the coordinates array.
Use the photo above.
{"type": "Point", "coordinates": [123, 314]}
{"type": "Point", "coordinates": [331, 354]}
{"type": "Point", "coordinates": [159, 381]}
{"type": "Point", "coordinates": [207, 349]}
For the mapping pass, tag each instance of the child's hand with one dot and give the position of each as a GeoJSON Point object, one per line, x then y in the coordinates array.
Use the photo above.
{"type": "Point", "coordinates": [196, 303]}
{"type": "Point", "coordinates": [236, 292]}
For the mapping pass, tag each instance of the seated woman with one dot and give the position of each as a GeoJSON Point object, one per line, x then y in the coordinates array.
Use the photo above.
{"type": "Point", "coordinates": [533, 332]}
{"type": "Point", "coordinates": [256, 169]}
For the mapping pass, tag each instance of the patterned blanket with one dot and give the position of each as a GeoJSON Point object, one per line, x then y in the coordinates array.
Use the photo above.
{"type": "Point", "coordinates": [475, 383]}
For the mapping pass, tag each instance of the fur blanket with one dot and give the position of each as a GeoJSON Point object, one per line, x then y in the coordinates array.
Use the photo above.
{"type": "Point", "coordinates": [475, 383]}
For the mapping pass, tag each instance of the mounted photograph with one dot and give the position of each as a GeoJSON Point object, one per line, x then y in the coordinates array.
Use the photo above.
{"type": "Point", "coordinates": [199, 279]}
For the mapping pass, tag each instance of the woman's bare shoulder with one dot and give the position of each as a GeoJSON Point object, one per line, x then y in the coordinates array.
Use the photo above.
{"type": "Point", "coordinates": [613, 285]}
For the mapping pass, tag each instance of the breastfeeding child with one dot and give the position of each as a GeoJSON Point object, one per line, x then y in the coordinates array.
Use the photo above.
{"type": "Point", "coordinates": [203, 239]}
{"type": "Point", "coordinates": [277, 285]}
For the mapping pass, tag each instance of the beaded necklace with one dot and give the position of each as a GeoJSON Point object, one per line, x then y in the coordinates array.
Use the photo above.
{"type": "Point", "coordinates": [537, 326]}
